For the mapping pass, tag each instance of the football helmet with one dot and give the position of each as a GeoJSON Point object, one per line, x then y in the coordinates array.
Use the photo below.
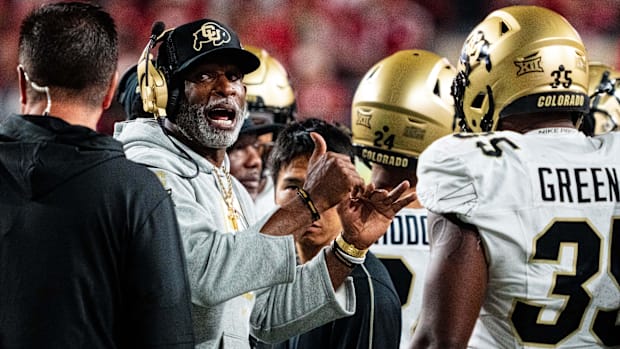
{"type": "Point", "coordinates": [519, 59]}
{"type": "Point", "coordinates": [401, 105]}
{"type": "Point", "coordinates": [269, 94]}
{"type": "Point", "coordinates": [604, 90]}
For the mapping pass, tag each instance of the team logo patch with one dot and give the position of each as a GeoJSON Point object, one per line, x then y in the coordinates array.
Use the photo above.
{"type": "Point", "coordinates": [363, 118]}
{"type": "Point", "coordinates": [529, 64]}
{"type": "Point", "coordinates": [161, 175]}
{"type": "Point", "coordinates": [212, 34]}
{"type": "Point", "coordinates": [476, 48]}
{"type": "Point", "coordinates": [414, 132]}
{"type": "Point", "coordinates": [581, 62]}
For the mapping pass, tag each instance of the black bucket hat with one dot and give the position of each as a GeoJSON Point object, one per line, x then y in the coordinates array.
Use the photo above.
{"type": "Point", "coordinates": [195, 42]}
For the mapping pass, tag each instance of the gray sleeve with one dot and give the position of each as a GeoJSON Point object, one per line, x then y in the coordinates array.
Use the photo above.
{"type": "Point", "coordinates": [222, 265]}
{"type": "Point", "coordinates": [310, 301]}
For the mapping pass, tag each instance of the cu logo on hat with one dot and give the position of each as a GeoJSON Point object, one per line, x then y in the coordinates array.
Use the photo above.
{"type": "Point", "coordinates": [210, 33]}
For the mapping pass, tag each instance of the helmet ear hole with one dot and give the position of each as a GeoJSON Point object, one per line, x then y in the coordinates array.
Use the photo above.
{"type": "Point", "coordinates": [372, 73]}
{"type": "Point", "coordinates": [504, 28]}
{"type": "Point", "coordinates": [436, 90]}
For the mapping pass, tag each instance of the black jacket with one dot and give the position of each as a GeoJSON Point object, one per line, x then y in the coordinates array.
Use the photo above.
{"type": "Point", "coordinates": [90, 254]}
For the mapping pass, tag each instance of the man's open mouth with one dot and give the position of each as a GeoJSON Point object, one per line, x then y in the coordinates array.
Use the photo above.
{"type": "Point", "coordinates": [222, 117]}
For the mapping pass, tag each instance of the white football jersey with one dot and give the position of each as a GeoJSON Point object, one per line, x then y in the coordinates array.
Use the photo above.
{"type": "Point", "coordinates": [547, 206]}
{"type": "Point", "coordinates": [404, 250]}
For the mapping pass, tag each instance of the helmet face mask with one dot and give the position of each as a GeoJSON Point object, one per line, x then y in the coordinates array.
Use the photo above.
{"type": "Point", "coordinates": [604, 90]}
{"type": "Point", "coordinates": [519, 60]}
{"type": "Point", "coordinates": [401, 105]}
{"type": "Point", "coordinates": [270, 95]}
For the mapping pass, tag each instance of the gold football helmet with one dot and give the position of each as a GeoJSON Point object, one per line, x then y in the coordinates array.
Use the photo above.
{"type": "Point", "coordinates": [604, 90]}
{"type": "Point", "coordinates": [269, 94]}
{"type": "Point", "coordinates": [401, 105]}
{"type": "Point", "coordinates": [519, 59]}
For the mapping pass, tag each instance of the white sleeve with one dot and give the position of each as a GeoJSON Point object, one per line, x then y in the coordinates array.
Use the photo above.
{"type": "Point", "coordinates": [444, 181]}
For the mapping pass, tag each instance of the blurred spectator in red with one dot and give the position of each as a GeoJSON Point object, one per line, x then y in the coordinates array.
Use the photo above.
{"type": "Point", "coordinates": [319, 93]}
{"type": "Point", "coordinates": [326, 45]}
{"type": "Point", "coordinates": [601, 16]}
{"type": "Point", "coordinates": [270, 26]}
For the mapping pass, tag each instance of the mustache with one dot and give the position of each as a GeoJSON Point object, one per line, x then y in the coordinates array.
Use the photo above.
{"type": "Point", "coordinates": [212, 103]}
{"type": "Point", "coordinates": [222, 102]}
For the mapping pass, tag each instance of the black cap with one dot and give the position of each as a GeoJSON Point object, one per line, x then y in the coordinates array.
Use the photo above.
{"type": "Point", "coordinates": [197, 41]}
{"type": "Point", "coordinates": [249, 127]}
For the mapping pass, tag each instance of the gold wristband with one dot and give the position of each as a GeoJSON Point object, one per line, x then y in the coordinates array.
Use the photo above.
{"type": "Point", "coordinates": [305, 197]}
{"type": "Point", "coordinates": [349, 248]}
{"type": "Point", "coordinates": [339, 256]}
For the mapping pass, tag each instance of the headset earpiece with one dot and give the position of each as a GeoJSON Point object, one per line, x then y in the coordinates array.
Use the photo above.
{"type": "Point", "coordinates": [174, 94]}
{"type": "Point", "coordinates": [153, 88]}
{"type": "Point", "coordinates": [151, 81]}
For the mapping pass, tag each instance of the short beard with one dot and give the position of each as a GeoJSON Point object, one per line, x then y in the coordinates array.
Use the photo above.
{"type": "Point", "coordinates": [192, 123]}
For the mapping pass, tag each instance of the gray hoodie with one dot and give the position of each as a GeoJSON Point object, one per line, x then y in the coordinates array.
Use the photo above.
{"type": "Point", "coordinates": [241, 281]}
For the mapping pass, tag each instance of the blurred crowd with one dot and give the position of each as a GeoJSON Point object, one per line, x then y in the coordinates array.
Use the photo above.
{"type": "Point", "coordinates": [326, 45]}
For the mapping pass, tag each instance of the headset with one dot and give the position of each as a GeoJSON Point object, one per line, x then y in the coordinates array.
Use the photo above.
{"type": "Point", "coordinates": [153, 88]}
{"type": "Point", "coordinates": [152, 84]}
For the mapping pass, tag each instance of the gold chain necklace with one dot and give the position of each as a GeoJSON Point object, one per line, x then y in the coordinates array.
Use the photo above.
{"type": "Point", "coordinates": [227, 195]}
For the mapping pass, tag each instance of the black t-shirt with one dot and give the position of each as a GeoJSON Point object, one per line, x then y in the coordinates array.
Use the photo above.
{"type": "Point", "coordinates": [376, 304]}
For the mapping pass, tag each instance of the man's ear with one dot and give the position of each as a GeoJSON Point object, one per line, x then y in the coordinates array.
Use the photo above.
{"type": "Point", "coordinates": [110, 94]}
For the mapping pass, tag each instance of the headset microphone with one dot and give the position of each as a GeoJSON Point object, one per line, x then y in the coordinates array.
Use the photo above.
{"type": "Point", "coordinates": [156, 30]}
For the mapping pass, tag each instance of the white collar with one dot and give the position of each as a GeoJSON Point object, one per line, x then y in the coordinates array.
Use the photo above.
{"type": "Point", "coordinates": [553, 131]}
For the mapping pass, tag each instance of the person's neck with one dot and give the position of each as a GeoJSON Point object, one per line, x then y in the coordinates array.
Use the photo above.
{"type": "Point", "coordinates": [72, 113]}
{"type": "Point", "coordinates": [307, 252]}
{"type": "Point", "coordinates": [527, 123]}
{"type": "Point", "coordinates": [213, 155]}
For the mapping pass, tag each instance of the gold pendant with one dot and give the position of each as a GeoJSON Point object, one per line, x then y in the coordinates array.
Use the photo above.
{"type": "Point", "coordinates": [232, 217]}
